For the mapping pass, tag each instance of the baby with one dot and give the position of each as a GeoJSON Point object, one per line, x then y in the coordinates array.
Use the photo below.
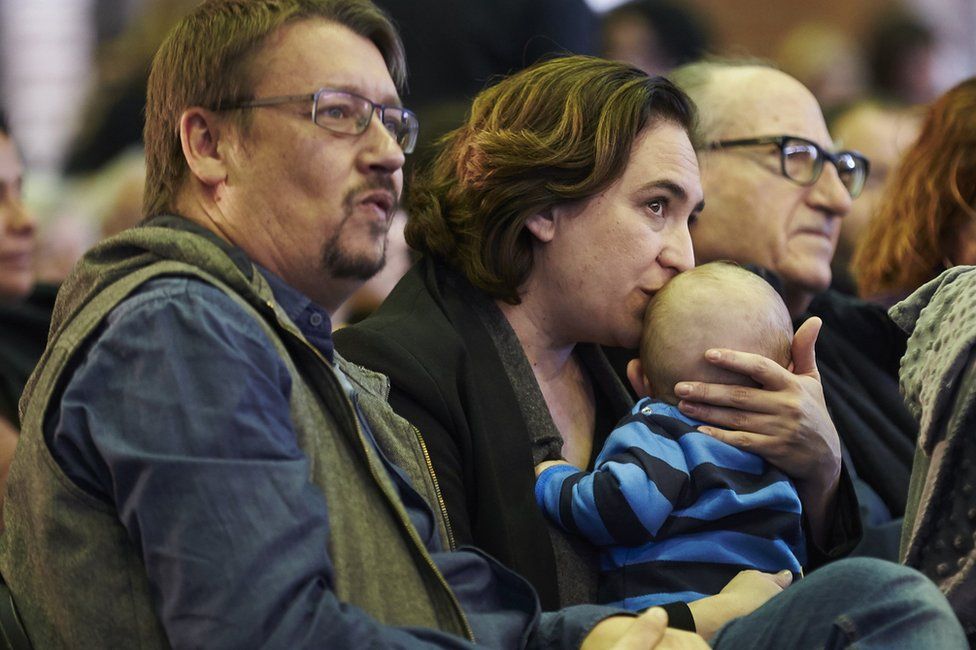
{"type": "Point", "coordinates": [677, 513]}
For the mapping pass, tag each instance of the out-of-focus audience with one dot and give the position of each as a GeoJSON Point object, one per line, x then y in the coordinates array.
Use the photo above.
{"type": "Point", "coordinates": [454, 49]}
{"type": "Point", "coordinates": [900, 51]}
{"type": "Point", "coordinates": [926, 220]}
{"type": "Point", "coordinates": [882, 132]}
{"type": "Point", "coordinates": [654, 35]}
{"type": "Point", "coordinates": [25, 309]}
{"type": "Point", "coordinates": [825, 59]}
{"type": "Point", "coordinates": [113, 117]}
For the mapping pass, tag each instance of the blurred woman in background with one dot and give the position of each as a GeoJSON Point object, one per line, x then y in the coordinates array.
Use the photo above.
{"type": "Point", "coordinates": [927, 221]}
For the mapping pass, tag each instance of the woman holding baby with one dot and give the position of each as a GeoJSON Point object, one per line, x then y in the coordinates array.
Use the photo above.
{"type": "Point", "coordinates": [546, 224]}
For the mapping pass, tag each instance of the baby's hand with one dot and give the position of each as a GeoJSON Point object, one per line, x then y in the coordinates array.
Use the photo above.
{"type": "Point", "coordinates": [546, 464]}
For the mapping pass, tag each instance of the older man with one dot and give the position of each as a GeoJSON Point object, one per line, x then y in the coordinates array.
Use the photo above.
{"type": "Point", "coordinates": [776, 194]}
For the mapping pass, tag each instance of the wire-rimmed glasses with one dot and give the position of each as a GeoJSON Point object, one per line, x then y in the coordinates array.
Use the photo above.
{"type": "Point", "coordinates": [343, 112]}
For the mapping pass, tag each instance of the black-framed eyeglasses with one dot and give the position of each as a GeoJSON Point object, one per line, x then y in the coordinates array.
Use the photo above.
{"type": "Point", "coordinates": [802, 160]}
{"type": "Point", "coordinates": [344, 112]}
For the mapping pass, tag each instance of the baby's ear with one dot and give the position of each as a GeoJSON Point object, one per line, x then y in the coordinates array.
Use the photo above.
{"type": "Point", "coordinates": [637, 378]}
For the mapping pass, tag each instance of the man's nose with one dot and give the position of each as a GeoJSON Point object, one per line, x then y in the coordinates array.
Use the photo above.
{"type": "Point", "coordinates": [383, 152]}
{"type": "Point", "coordinates": [829, 194]}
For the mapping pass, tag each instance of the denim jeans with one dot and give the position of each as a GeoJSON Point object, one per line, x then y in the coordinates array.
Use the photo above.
{"type": "Point", "coordinates": [852, 603]}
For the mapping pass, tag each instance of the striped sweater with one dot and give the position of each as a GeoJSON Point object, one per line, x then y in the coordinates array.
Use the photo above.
{"type": "Point", "coordinates": [675, 512]}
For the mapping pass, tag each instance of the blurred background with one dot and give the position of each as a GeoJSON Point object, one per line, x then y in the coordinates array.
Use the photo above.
{"type": "Point", "coordinates": [72, 73]}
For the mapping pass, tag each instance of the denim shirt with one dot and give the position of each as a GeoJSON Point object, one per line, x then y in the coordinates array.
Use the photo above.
{"type": "Point", "coordinates": [178, 416]}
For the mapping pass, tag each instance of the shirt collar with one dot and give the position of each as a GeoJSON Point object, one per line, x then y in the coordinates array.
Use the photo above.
{"type": "Point", "coordinates": [312, 319]}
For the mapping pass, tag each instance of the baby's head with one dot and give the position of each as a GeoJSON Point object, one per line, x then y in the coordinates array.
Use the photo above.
{"type": "Point", "coordinates": [716, 305]}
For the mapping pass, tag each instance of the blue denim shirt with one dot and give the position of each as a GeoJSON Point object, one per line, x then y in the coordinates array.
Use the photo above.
{"type": "Point", "coordinates": [178, 416]}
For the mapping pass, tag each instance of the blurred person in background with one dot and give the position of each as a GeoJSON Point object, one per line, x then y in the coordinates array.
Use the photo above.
{"type": "Point", "coordinates": [25, 309]}
{"type": "Point", "coordinates": [900, 54]}
{"type": "Point", "coordinates": [826, 60]}
{"type": "Point", "coordinates": [454, 49]}
{"type": "Point", "coordinates": [882, 132]}
{"type": "Point", "coordinates": [654, 35]}
{"type": "Point", "coordinates": [112, 117]}
{"type": "Point", "coordinates": [926, 222]}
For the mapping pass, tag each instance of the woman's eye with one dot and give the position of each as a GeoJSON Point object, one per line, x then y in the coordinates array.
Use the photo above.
{"type": "Point", "coordinates": [656, 207]}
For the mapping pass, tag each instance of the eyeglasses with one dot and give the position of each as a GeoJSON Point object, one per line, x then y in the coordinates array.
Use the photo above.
{"type": "Point", "coordinates": [802, 161]}
{"type": "Point", "coordinates": [342, 112]}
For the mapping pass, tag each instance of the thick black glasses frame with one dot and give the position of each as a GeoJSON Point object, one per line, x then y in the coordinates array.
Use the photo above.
{"type": "Point", "coordinates": [822, 155]}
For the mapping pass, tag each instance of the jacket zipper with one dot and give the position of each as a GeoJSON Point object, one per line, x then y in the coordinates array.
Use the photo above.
{"type": "Point", "coordinates": [401, 515]}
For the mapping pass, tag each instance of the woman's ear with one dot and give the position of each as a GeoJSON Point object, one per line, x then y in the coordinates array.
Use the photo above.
{"type": "Point", "coordinates": [542, 225]}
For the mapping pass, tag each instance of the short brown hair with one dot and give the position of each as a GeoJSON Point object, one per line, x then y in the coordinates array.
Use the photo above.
{"type": "Point", "coordinates": [680, 311]}
{"type": "Point", "coordinates": [559, 131]}
{"type": "Point", "coordinates": [927, 200]}
{"type": "Point", "coordinates": [205, 61]}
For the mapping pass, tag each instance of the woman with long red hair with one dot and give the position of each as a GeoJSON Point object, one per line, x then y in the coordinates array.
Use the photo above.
{"type": "Point", "coordinates": [927, 221]}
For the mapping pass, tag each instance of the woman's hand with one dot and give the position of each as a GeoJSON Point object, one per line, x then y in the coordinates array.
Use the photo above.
{"type": "Point", "coordinates": [745, 593]}
{"type": "Point", "coordinates": [785, 421]}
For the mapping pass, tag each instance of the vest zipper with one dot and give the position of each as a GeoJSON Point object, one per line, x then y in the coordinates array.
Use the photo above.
{"type": "Point", "coordinates": [437, 489]}
{"type": "Point", "coordinates": [401, 513]}
{"type": "Point", "coordinates": [433, 477]}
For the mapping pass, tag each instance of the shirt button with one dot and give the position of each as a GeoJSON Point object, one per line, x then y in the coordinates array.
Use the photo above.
{"type": "Point", "coordinates": [315, 320]}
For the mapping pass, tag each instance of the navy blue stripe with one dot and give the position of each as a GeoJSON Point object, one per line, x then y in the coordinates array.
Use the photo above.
{"type": "Point", "coordinates": [566, 503]}
{"type": "Point", "coordinates": [618, 517]}
{"type": "Point", "coordinates": [761, 522]}
{"type": "Point", "coordinates": [665, 577]}
{"type": "Point", "coordinates": [663, 425]}
{"type": "Point", "coordinates": [706, 476]}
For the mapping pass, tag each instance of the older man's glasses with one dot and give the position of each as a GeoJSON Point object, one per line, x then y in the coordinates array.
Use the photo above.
{"type": "Point", "coordinates": [802, 161]}
{"type": "Point", "coordinates": [343, 112]}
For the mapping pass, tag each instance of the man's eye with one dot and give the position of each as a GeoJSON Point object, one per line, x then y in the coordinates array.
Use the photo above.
{"type": "Point", "coordinates": [336, 112]}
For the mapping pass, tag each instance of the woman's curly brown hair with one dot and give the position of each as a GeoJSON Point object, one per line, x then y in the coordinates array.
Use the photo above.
{"type": "Point", "coordinates": [559, 131]}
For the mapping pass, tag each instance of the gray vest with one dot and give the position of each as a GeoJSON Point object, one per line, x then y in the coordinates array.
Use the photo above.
{"type": "Point", "coordinates": [77, 578]}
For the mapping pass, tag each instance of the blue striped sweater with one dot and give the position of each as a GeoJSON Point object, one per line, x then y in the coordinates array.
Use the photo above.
{"type": "Point", "coordinates": [675, 512]}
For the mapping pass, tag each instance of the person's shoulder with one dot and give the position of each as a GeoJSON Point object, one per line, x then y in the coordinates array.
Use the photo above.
{"type": "Point", "coordinates": [176, 293]}
{"type": "Point", "coordinates": [188, 313]}
{"type": "Point", "coordinates": [864, 325]}
{"type": "Point", "coordinates": [850, 314]}
{"type": "Point", "coordinates": [411, 326]}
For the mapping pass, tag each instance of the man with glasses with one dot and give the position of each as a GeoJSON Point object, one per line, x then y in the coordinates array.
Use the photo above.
{"type": "Point", "coordinates": [776, 192]}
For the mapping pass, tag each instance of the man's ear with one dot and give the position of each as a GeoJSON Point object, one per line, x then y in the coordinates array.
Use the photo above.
{"type": "Point", "coordinates": [200, 136]}
{"type": "Point", "coordinates": [638, 380]}
{"type": "Point", "coordinates": [543, 225]}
